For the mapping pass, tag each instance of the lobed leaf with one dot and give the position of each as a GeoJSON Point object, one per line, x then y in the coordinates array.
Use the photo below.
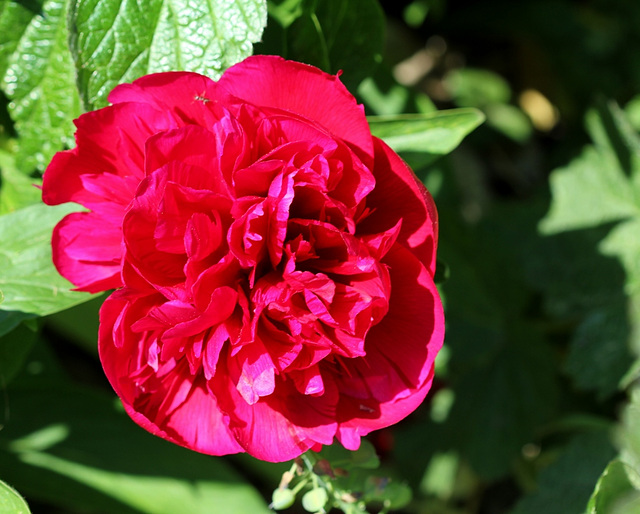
{"type": "Point", "coordinates": [115, 41]}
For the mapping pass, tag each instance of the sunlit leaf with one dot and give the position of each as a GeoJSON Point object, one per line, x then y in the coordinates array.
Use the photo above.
{"type": "Point", "coordinates": [11, 502]}
{"type": "Point", "coordinates": [40, 82]}
{"type": "Point", "coordinates": [436, 133]}
{"type": "Point", "coordinates": [28, 280]}
{"type": "Point", "coordinates": [116, 41]}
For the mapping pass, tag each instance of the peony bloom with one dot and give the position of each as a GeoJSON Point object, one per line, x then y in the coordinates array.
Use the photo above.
{"type": "Point", "coordinates": [273, 261]}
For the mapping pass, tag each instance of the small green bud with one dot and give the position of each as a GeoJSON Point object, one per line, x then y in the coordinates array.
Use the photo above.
{"type": "Point", "coordinates": [282, 499]}
{"type": "Point", "coordinates": [315, 500]}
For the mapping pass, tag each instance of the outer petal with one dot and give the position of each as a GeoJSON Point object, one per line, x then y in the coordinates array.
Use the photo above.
{"type": "Point", "coordinates": [186, 97]}
{"type": "Point", "coordinates": [391, 381]}
{"type": "Point", "coordinates": [281, 426]}
{"type": "Point", "coordinates": [270, 81]}
{"type": "Point", "coordinates": [109, 141]}
{"type": "Point", "coordinates": [399, 195]}
{"type": "Point", "coordinates": [174, 406]}
{"type": "Point", "coordinates": [87, 251]}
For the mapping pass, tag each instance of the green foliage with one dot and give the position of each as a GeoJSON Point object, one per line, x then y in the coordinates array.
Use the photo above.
{"type": "Point", "coordinates": [331, 34]}
{"type": "Point", "coordinates": [39, 80]}
{"type": "Point", "coordinates": [432, 134]}
{"type": "Point", "coordinates": [14, 349]}
{"type": "Point", "coordinates": [117, 41]}
{"type": "Point", "coordinates": [565, 486]}
{"type": "Point", "coordinates": [11, 502]}
{"type": "Point", "coordinates": [28, 280]}
{"type": "Point", "coordinates": [614, 484]}
{"type": "Point", "coordinates": [72, 446]}
{"type": "Point", "coordinates": [338, 478]}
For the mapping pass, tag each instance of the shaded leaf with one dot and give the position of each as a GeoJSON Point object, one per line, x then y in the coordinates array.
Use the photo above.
{"type": "Point", "coordinates": [10, 320]}
{"type": "Point", "coordinates": [335, 35]}
{"type": "Point", "coordinates": [14, 349]}
{"type": "Point", "coordinates": [566, 484]}
{"type": "Point", "coordinates": [28, 280]}
{"type": "Point", "coordinates": [115, 41]}
{"type": "Point", "coordinates": [40, 82]}
{"type": "Point", "coordinates": [72, 446]}
{"type": "Point", "coordinates": [599, 356]}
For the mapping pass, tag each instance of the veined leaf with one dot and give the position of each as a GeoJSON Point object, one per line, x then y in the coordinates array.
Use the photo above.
{"type": "Point", "coordinates": [116, 41]}
{"type": "Point", "coordinates": [39, 81]}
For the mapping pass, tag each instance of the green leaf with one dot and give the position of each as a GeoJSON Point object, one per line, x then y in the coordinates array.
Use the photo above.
{"type": "Point", "coordinates": [501, 400]}
{"type": "Point", "coordinates": [599, 357]}
{"type": "Point", "coordinates": [602, 184]}
{"type": "Point", "coordinates": [40, 82]}
{"type": "Point", "coordinates": [612, 485]}
{"type": "Point", "coordinates": [115, 41]}
{"type": "Point", "coordinates": [28, 280]}
{"type": "Point", "coordinates": [339, 457]}
{"type": "Point", "coordinates": [336, 35]}
{"type": "Point", "coordinates": [14, 19]}
{"type": "Point", "coordinates": [435, 133]}
{"type": "Point", "coordinates": [11, 502]}
{"type": "Point", "coordinates": [71, 446]}
{"type": "Point", "coordinates": [10, 320]}
{"type": "Point", "coordinates": [17, 190]}
{"type": "Point", "coordinates": [14, 349]}
{"type": "Point", "coordinates": [472, 87]}
{"type": "Point", "coordinates": [564, 487]}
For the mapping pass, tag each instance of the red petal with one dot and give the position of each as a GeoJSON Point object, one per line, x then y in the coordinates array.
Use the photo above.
{"type": "Point", "coordinates": [87, 251]}
{"type": "Point", "coordinates": [393, 378]}
{"type": "Point", "coordinates": [270, 81]}
{"type": "Point", "coordinates": [399, 195]}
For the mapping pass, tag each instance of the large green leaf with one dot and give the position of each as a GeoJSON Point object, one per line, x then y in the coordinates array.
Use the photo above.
{"type": "Point", "coordinates": [14, 19]}
{"type": "Point", "coordinates": [592, 258]}
{"type": "Point", "coordinates": [11, 502]}
{"type": "Point", "coordinates": [40, 82]}
{"type": "Point", "coordinates": [74, 447]}
{"type": "Point", "coordinates": [336, 35]}
{"type": "Point", "coordinates": [18, 190]}
{"type": "Point", "coordinates": [28, 280]}
{"type": "Point", "coordinates": [435, 133]}
{"type": "Point", "coordinates": [116, 41]}
{"type": "Point", "coordinates": [603, 183]}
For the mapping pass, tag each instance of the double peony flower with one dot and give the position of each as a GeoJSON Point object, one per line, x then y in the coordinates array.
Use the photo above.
{"type": "Point", "coordinates": [272, 261]}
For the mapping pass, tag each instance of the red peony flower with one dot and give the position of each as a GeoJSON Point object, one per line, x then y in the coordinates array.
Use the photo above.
{"type": "Point", "coordinates": [273, 261]}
